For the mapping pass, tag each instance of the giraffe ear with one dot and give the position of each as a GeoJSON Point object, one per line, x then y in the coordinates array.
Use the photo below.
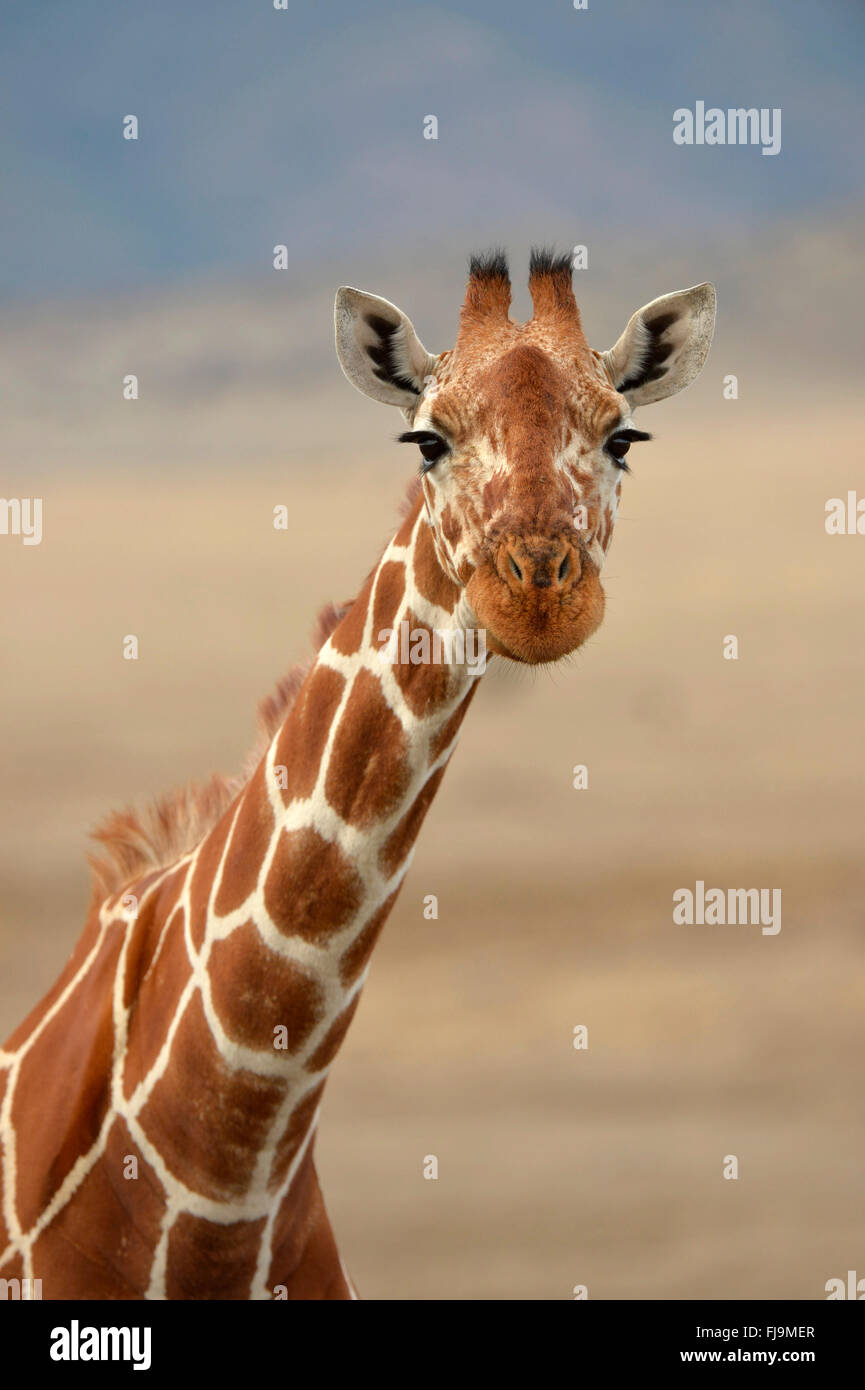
{"type": "Point", "coordinates": [378, 348]}
{"type": "Point", "coordinates": [664, 346]}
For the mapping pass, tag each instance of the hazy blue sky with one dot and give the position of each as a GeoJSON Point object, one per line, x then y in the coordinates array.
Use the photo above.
{"type": "Point", "coordinates": [305, 127]}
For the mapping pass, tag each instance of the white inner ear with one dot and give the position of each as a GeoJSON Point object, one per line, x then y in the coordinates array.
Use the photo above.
{"type": "Point", "coordinates": [647, 366]}
{"type": "Point", "coordinates": [385, 360]}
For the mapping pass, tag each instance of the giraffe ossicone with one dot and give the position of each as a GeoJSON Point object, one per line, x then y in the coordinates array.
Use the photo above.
{"type": "Point", "coordinates": [158, 1108]}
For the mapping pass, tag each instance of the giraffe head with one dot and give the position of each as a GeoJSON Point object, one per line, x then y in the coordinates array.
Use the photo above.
{"type": "Point", "coordinates": [523, 431]}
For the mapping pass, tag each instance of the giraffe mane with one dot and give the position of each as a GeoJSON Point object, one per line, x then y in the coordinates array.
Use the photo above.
{"type": "Point", "coordinates": [133, 842]}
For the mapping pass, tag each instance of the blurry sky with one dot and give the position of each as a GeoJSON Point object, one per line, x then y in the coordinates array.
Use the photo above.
{"type": "Point", "coordinates": [305, 127]}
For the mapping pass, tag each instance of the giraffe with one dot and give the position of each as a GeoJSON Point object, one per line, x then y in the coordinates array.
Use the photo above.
{"type": "Point", "coordinates": [158, 1108]}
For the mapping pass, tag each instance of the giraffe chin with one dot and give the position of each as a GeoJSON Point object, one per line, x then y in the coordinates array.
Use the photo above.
{"type": "Point", "coordinates": [537, 627]}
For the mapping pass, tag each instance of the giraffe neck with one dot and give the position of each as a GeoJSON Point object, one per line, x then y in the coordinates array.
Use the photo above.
{"type": "Point", "coordinates": [280, 907]}
{"type": "Point", "coordinates": [158, 1107]}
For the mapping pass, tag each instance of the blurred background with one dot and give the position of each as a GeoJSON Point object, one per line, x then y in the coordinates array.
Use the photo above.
{"type": "Point", "coordinates": [304, 127]}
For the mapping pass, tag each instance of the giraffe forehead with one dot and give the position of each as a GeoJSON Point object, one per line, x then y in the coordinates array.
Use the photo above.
{"type": "Point", "coordinates": [535, 396]}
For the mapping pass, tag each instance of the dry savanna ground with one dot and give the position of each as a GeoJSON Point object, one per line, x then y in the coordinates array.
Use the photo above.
{"type": "Point", "coordinates": [557, 1167]}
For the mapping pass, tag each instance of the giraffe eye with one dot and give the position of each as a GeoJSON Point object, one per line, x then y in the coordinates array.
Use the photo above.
{"type": "Point", "coordinates": [433, 450]}
{"type": "Point", "coordinates": [618, 447]}
{"type": "Point", "coordinates": [431, 445]}
{"type": "Point", "coordinates": [619, 443]}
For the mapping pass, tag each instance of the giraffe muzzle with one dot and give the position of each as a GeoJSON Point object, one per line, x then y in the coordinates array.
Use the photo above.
{"type": "Point", "coordinates": [538, 597]}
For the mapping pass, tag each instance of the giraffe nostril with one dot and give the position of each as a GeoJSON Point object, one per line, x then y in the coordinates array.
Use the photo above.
{"type": "Point", "coordinates": [564, 568]}
{"type": "Point", "coordinates": [516, 569]}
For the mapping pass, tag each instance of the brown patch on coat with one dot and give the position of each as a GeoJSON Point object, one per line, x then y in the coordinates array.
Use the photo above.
{"type": "Point", "coordinates": [389, 594]}
{"type": "Point", "coordinates": [63, 1089]}
{"type": "Point", "coordinates": [401, 839]}
{"type": "Point", "coordinates": [305, 732]}
{"type": "Point", "coordinates": [312, 888]}
{"type": "Point", "coordinates": [425, 686]}
{"type": "Point", "coordinates": [430, 579]}
{"type": "Point", "coordinates": [157, 998]}
{"type": "Point", "coordinates": [207, 1120]}
{"type": "Point", "coordinates": [204, 871]}
{"type": "Point", "coordinates": [13, 1266]}
{"type": "Point", "coordinates": [101, 1245]}
{"type": "Point", "coordinates": [147, 933]}
{"type": "Point", "coordinates": [256, 991]}
{"type": "Point", "coordinates": [367, 774]}
{"type": "Point", "coordinates": [494, 493]}
{"type": "Point", "coordinates": [348, 636]}
{"type": "Point", "coordinates": [207, 1259]}
{"type": "Point", "coordinates": [250, 837]}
